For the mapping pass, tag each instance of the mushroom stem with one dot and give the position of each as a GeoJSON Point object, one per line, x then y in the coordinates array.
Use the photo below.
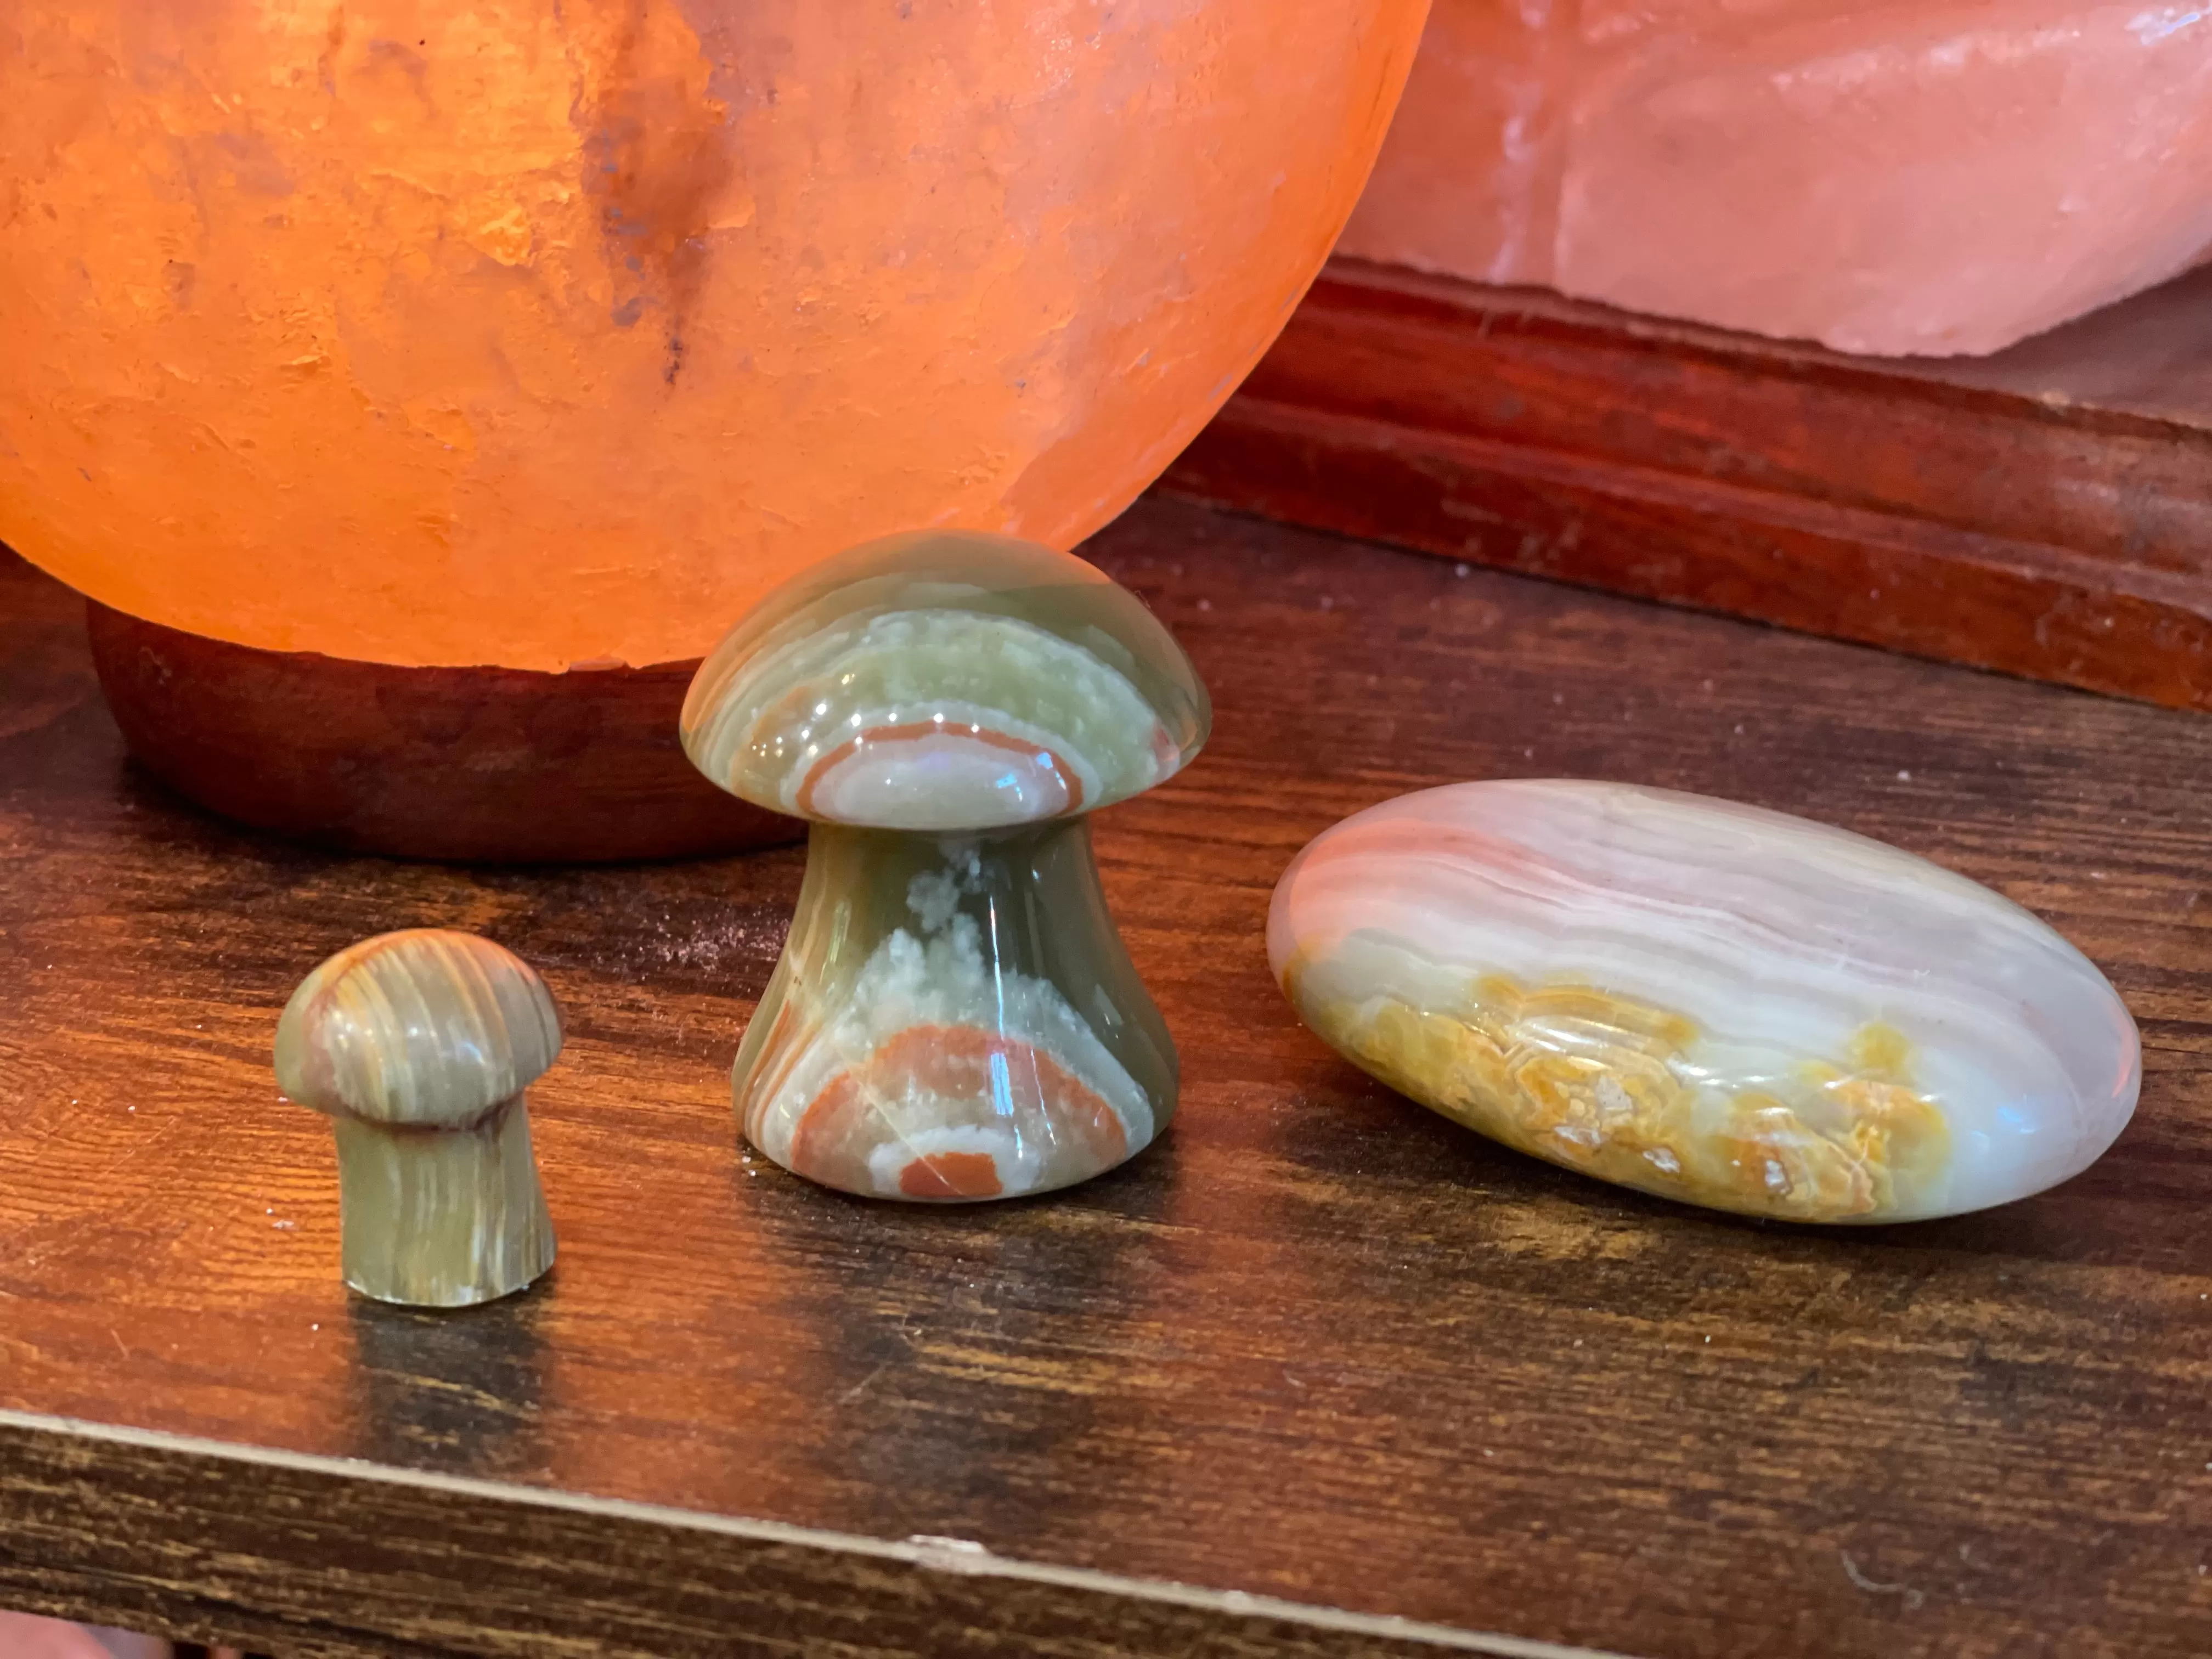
{"type": "Point", "coordinates": [954, 1017]}
{"type": "Point", "coordinates": [443, 1218]}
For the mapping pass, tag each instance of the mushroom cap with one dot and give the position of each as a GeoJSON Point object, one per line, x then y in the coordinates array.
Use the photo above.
{"type": "Point", "coordinates": [425, 1027]}
{"type": "Point", "coordinates": [948, 680]}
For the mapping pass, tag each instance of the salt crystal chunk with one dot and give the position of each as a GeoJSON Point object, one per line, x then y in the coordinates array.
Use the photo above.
{"type": "Point", "coordinates": [1890, 178]}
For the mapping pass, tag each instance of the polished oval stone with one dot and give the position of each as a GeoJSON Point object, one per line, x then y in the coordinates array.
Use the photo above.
{"type": "Point", "coordinates": [1705, 1000]}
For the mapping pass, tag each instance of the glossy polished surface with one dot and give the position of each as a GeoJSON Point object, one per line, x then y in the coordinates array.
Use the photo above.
{"type": "Point", "coordinates": [418, 1045]}
{"type": "Point", "coordinates": [427, 1027]}
{"type": "Point", "coordinates": [1707, 1001]}
{"type": "Point", "coordinates": [494, 332]}
{"type": "Point", "coordinates": [1317, 1344]}
{"type": "Point", "coordinates": [953, 1016]}
{"type": "Point", "coordinates": [944, 681]}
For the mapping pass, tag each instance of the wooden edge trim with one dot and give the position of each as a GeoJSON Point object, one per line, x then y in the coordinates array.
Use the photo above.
{"type": "Point", "coordinates": [2043, 612]}
{"type": "Point", "coordinates": [1443, 309]}
{"type": "Point", "coordinates": [302, 1554]}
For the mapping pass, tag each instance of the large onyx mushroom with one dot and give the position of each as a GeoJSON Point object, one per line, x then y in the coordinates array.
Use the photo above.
{"type": "Point", "coordinates": [953, 1016]}
{"type": "Point", "coordinates": [418, 1046]}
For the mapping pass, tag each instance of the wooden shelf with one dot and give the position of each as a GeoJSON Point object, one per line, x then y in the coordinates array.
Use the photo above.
{"type": "Point", "coordinates": [1316, 1363]}
{"type": "Point", "coordinates": [2047, 511]}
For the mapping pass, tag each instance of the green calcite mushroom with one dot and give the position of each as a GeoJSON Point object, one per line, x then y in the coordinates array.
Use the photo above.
{"type": "Point", "coordinates": [953, 1016]}
{"type": "Point", "coordinates": [418, 1046]}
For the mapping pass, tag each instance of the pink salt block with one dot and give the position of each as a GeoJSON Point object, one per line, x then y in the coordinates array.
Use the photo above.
{"type": "Point", "coordinates": [27, 1636]}
{"type": "Point", "coordinates": [1894, 179]}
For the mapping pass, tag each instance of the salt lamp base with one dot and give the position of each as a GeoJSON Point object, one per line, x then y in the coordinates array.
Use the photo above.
{"type": "Point", "coordinates": [480, 765]}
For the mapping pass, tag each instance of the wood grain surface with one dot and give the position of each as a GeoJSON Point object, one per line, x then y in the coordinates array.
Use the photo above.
{"type": "Point", "coordinates": [2046, 511]}
{"type": "Point", "coordinates": [1318, 1344]}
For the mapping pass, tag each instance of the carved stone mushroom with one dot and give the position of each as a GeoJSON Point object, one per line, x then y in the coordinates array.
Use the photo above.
{"type": "Point", "coordinates": [953, 1016]}
{"type": "Point", "coordinates": [418, 1046]}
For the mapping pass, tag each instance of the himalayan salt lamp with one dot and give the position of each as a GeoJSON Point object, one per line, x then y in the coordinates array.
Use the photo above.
{"type": "Point", "coordinates": [418, 1046]}
{"type": "Point", "coordinates": [1704, 1000]}
{"type": "Point", "coordinates": [953, 1016]}
{"type": "Point", "coordinates": [546, 339]}
{"type": "Point", "coordinates": [1897, 178]}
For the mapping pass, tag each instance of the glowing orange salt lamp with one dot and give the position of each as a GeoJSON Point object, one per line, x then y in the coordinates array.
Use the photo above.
{"type": "Point", "coordinates": [501, 352]}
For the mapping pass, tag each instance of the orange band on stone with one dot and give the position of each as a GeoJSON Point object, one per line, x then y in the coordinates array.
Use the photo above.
{"type": "Point", "coordinates": [942, 1077]}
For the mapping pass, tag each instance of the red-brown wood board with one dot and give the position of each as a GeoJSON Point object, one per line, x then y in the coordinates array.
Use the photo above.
{"type": "Point", "coordinates": [2046, 511]}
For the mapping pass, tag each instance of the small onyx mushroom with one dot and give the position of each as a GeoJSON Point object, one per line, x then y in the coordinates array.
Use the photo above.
{"type": "Point", "coordinates": [953, 1016]}
{"type": "Point", "coordinates": [418, 1046]}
